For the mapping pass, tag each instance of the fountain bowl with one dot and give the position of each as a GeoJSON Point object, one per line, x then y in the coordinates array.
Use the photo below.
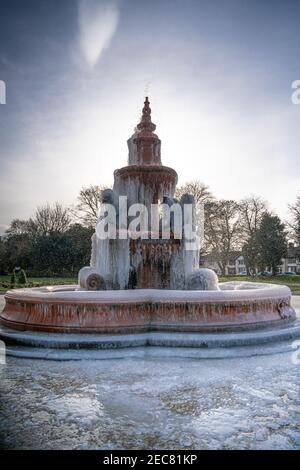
{"type": "Point", "coordinates": [67, 309]}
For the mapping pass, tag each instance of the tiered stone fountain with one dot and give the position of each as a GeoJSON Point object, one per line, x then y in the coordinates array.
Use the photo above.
{"type": "Point", "coordinates": [146, 291]}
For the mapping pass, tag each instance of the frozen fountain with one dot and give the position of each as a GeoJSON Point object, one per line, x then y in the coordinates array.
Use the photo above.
{"type": "Point", "coordinates": [144, 286]}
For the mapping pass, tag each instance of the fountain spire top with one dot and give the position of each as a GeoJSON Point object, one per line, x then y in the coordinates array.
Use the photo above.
{"type": "Point", "coordinates": [146, 124]}
{"type": "Point", "coordinates": [146, 144]}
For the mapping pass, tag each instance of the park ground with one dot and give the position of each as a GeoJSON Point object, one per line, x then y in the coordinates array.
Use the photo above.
{"type": "Point", "coordinates": [292, 281]}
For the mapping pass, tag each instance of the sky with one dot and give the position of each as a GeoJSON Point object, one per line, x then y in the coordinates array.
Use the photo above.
{"type": "Point", "coordinates": [218, 74]}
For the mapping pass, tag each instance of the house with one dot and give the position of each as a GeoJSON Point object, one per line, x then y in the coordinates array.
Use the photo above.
{"type": "Point", "coordinates": [236, 265]}
{"type": "Point", "coordinates": [291, 264]}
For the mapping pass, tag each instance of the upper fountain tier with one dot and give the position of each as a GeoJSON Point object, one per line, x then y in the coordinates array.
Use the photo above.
{"type": "Point", "coordinates": [144, 145]}
{"type": "Point", "coordinates": [145, 180]}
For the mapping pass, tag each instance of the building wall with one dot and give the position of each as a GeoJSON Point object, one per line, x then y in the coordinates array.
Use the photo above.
{"type": "Point", "coordinates": [237, 266]}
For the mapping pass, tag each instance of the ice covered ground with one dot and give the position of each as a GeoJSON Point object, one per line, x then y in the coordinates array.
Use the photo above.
{"type": "Point", "coordinates": [251, 403]}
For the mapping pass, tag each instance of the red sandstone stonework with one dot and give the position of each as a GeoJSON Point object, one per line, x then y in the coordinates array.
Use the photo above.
{"type": "Point", "coordinates": [42, 313]}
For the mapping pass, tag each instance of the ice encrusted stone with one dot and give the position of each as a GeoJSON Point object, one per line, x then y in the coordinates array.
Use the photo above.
{"type": "Point", "coordinates": [202, 279]}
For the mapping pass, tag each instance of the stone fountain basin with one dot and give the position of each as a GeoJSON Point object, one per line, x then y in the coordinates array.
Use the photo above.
{"type": "Point", "coordinates": [67, 309]}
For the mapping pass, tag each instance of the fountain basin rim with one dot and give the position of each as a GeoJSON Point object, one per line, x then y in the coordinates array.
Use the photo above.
{"type": "Point", "coordinates": [229, 292]}
{"type": "Point", "coordinates": [65, 309]}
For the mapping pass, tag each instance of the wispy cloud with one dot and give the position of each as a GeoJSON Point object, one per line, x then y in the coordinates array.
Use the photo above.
{"type": "Point", "coordinates": [98, 21]}
{"type": "Point", "coordinates": [3, 229]}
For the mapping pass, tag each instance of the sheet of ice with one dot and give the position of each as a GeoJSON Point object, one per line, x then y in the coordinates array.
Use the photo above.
{"type": "Point", "coordinates": [151, 403]}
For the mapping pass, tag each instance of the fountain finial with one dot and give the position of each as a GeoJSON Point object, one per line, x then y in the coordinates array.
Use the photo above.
{"type": "Point", "coordinates": [146, 108]}
{"type": "Point", "coordinates": [146, 124]}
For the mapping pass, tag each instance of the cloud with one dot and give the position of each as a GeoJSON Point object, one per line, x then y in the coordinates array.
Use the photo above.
{"type": "Point", "coordinates": [3, 229]}
{"type": "Point", "coordinates": [98, 22]}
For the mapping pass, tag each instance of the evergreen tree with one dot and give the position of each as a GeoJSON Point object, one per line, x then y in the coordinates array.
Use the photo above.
{"type": "Point", "coordinates": [252, 210]}
{"type": "Point", "coordinates": [250, 252]}
{"type": "Point", "coordinates": [3, 258]}
{"type": "Point", "coordinates": [271, 242]}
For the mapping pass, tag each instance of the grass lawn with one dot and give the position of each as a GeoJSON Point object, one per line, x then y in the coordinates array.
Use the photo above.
{"type": "Point", "coordinates": [293, 282]}
{"type": "Point", "coordinates": [37, 282]}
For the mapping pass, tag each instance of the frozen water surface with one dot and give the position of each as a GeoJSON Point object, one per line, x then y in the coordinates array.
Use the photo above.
{"type": "Point", "coordinates": [251, 403]}
{"type": "Point", "coordinates": [138, 403]}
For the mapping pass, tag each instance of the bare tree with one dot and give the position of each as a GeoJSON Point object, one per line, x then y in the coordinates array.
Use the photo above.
{"type": "Point", "coordinates": [252, 210]}
{"type": "Point", "coordinates": [203, 197]}
{"type": "Point", "coordinates": [200, 191]}
{"type": "Point", "coordinates": [51, 219]}
{"type": "Point", "coordinates": [89, 204]}
{"type": "Point", "coordinates": [19, 227]}
{"type": "Point", "coordinates": [295, 224]}
{"type": "Point", "coordinates": [222, 230]}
